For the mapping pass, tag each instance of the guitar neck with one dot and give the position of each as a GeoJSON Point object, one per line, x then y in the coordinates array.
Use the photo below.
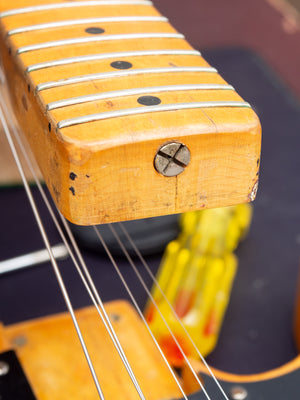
{"type": "Point", "coordinates": [125, 118]}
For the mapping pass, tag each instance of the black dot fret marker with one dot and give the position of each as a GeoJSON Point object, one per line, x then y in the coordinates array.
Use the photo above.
{"type": "Point", "coordinates": [94, 30]}
{"type": "Point", "coordinates": [121, 65]}
{"type": "Point", "coordinates": [149, 100]}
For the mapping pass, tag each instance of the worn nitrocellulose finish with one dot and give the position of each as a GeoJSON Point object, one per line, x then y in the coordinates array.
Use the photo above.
{"type": "Point", "coordinates": [77, 72]}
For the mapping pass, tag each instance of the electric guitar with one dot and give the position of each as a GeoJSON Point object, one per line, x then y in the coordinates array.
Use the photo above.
{"type": "Point", "coordinates": [126, 121]}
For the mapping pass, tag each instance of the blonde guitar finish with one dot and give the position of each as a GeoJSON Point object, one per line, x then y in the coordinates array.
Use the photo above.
{"type": "Point", "coordinates": [100, 86]}
{"type": "Point", "coordinates": [53, 361]}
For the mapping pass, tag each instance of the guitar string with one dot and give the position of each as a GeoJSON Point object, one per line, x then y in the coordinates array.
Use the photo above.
{"type": "Point", "coordinates": [95, 294]}
{"type": "Point", "coordinates": [50, 252]}
{"type": "Point", "coordinates": [154, 280]}
{"type": "Point", "coordinates": [71, 237]}
{"type": "Point", "coordinates": [84, 266]}
{"type": "Point", "coordinates": [132, 264]}
{"type": "Point", "coordinates": [90, 279]}
{"type": "Point", "coordinates": [121, 276]}
{"type": "Point", "coordinates": [92, 283]}
{"type": "Point", "coordinates": [105, 318]}
{"type": "Point", "coordinates": [116, 344]}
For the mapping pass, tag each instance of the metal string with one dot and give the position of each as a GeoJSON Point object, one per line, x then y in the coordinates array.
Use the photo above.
{"type": "Point", "coordinates": [50, 252]}
{"type": "Point", "coordinates": [70, 234]}
{"type": "Point", "coordinates": [95, 293]}
{"type": "Point", "coordinates": [117, 269]}
{"type": "Point", "coordinates": [145, 264]}
{"type": "Point", "coordinates": [105, 318]}
{"type": "Point", "coordinates": [158, 310]}
{"type": "Point", "coordinates": [84, 266]}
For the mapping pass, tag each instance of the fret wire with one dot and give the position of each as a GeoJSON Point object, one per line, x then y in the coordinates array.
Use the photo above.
{"type": "Point", "coordinates": [146, 110]}
{"type": "Point", "coordinates": [155, 281]}
{"type": "Point", "coordinates": [120, 74]}
{"type": "Point", "coordinates": [58, 6]}
{"type": "Point", "coordinates": [95, 295]}
{"type": "Point", "coordinates": [104, 56]}
{"type": "Point", "coordinates": [119, 273]}
{"type": "Point", "coordinates": [91, 39]}
{"type": "Point", "coordinates": [50, 252]}
{"type": "Point", "coordinates": [62, 24]}
{"type": "Point", "coordinates": [135, 269]}
{"type": "Point", "coordinates": [133, 92]}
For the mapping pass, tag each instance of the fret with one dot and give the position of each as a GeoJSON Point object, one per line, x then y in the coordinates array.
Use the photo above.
{"type": "Point", "coordinates": [139, 85]}
{"type": "Point", "coordinates": [58, 6]}
{"type": "Point", "coordinates": [132, 82]}
{"type": "Point", "coordinates": [133, 92]}
{"type": "Point", "coordinates": [104, 56]}
{"type": "Point", "coordinates": [120, 74]}
{"type": "Point", "coordinates": [82, 40]}
{"type": "Point", "coordinates": [84, 21]}
{"type": "Point", "coordinates": [146, 110]}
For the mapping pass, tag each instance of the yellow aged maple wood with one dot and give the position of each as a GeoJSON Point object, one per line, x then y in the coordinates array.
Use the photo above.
{"type": "Point", "coordinates": [53, 361]}
{"type": "Point", "coordinates": [100, 87]}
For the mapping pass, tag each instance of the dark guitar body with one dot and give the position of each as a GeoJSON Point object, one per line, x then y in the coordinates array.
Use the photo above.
{"type": "Point", "coordinates": [261, 311]}
{"type": "Point", "coordinates": [284, 387]}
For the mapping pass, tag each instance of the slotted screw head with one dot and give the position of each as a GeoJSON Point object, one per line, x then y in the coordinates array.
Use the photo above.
{"type": "Point", "coordinates": [171, 159]}
{"type": "Point", "coordinates": [4, 368]}
{"type": "Point", "coordinates": [238, 393]}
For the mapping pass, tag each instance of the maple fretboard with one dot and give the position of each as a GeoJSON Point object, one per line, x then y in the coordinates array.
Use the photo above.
{"type": "Point", "coordinates": [101, 87]}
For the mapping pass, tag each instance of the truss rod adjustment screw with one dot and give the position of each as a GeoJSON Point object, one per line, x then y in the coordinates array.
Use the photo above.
{"type": "Point", "coordinates": [172, 158]}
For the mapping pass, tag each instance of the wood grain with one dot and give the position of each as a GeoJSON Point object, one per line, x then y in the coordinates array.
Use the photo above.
{"type": "Point", "coordinates": [113, 159]}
